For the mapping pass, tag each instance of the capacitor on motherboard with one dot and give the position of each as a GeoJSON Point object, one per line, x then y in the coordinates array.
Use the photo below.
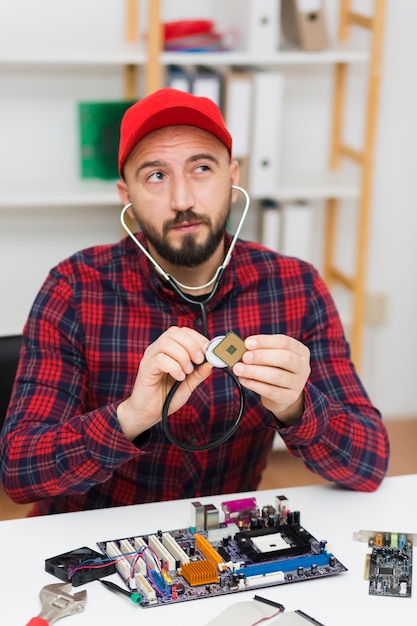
{"type": "Point", "coordinates": [174, 594]}
{"type": "Point", "coordinates": [233, 584]}
{"type": "Point", "coordinates": [268, 510]}
{"type": "Point", "coordinates": [296, 517]}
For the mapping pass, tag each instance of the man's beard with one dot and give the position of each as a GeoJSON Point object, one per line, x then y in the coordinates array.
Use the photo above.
{"type": "Point", "coordinates": [190, 253]}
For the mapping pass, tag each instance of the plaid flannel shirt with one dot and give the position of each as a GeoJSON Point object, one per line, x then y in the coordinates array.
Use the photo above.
{"type": "Point", "coordinates": [62, 446]}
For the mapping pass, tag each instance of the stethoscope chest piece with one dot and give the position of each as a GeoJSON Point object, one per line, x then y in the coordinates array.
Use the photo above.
{"type": "Point", "coordinates": [211, 357]}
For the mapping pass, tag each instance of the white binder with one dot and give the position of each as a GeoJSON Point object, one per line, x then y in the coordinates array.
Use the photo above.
{"type": "Point", "coordinates": [255, 24]}
{"type": "Point", "coordinates": [208, 84]}
{"type": "Point", "coordinates": [238, 110]}
{"type": "Point", "coordinates": [178, 78]}
{"type": "Point", "coordinates": [263, 26]}
{"type": "Point", "coordinates": [297, 230]}
{"type": "Point", "coordinates": [264, 162]}
{"type": "Point", "coordinates": [271, 225]}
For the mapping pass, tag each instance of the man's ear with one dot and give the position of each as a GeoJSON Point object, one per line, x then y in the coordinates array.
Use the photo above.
{"type": "Point", "coordinates": [234, 172]}
{"type": "Point", "coordinates": [234, 177]}
{"type": "Point", "coordinates": [125, 199]}
{"type": "Point", "coordinates": [123, 192]}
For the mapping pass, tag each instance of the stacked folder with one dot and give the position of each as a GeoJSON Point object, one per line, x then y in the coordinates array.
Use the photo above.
{"type": "Point", "coordinates": [199, 80]}
{"type": "Point", "coordinates": [253, 113]}
{"type": "Point", "coordinates": [99, 132]}
{"type": "Point", "coordinates": [254, 24]}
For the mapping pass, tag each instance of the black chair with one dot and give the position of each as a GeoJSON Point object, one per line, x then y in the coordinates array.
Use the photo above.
{"type": "Point", "coordinates": [9, 357]}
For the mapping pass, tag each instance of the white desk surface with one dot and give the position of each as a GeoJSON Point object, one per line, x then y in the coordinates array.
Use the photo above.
{"type": "Point", "coordinates": [327, 513]}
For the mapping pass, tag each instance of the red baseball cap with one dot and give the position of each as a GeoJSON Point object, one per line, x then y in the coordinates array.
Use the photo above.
{"type": "Point", "coordinates": [169, 107]}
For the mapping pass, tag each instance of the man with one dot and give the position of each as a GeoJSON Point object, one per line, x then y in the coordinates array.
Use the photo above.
{"type": "Point", "coordinates": [113, 329]}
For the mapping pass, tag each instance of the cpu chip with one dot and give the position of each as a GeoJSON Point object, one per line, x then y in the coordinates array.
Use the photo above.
{"type": "Point", "coordinates": [230, 349]}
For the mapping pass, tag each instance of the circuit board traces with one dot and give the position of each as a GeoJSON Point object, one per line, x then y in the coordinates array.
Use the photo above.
{"type": "Point", "coordinates": [390, 565]}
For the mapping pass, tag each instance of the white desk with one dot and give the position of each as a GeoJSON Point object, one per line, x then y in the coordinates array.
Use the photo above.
{"type": "Point", "coordinates": [326, 512]}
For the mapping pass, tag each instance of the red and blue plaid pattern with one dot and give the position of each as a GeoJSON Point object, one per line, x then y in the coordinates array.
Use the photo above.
{"type": "Point", "coordinates": [62, 447]}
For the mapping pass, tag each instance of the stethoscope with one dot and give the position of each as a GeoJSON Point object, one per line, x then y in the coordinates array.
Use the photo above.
{"type": "Point", "coordinates": [210, 356]}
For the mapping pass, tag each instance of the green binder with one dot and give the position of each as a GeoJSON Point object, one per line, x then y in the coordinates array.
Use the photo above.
{"type": "Point", "coordinates": [99, 124]}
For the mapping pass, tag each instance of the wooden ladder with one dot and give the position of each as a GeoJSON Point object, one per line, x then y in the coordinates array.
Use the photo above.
{"type": "Point", "coordinates": [356, 284]}
{"type": "Point", "coordinates": [153, 69]}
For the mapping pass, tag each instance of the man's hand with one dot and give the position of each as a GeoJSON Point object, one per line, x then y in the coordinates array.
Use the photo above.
{"type": "Point", "coordinates": [277, 368]}
{"type": "Point", "coordinates": [178, 354]}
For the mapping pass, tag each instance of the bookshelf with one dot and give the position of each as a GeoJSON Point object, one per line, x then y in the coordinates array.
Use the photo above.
{"type": "Point", "coordinates": [333, 186]}
{"type": "Point", "coordinates": [131, 54]}
{"type": "Point", "coordinates": [128, 66]}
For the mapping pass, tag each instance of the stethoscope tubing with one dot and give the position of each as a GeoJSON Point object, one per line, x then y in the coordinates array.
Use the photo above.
{"type": "Point", "coordinates": [176, 285]}
{"type": "Point", "coordinates": [168, 277]}
{"type": "Point", "coordinates": [191, 447]}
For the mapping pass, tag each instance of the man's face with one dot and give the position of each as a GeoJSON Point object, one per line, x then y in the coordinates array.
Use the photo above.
{"type": "Point", "coordinates": [179, 182]}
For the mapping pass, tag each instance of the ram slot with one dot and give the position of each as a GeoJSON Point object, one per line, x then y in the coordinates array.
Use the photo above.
{"type": "Point", "coordinates": [127, 549]}
{"type": "Point", "coordinates": [175, 549]}
{"type": "Point", "coordinates": [147, 555]}
{"type": "Point", "coordinates": [167, 558]}
{"type": "Point", "coordinates": [145, 589]}
{"type": "Point", "coordinates": [265, 579]}
{"type": "Point", "coordinates": [322, 559]}
{"type": "Point", "coordinates": [123, 566]}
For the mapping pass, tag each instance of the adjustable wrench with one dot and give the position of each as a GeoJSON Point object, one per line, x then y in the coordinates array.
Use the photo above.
{"type": "Point", "coordinates": [58, 602]}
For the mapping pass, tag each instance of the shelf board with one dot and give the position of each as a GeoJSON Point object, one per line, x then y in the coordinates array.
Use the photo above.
{"type": "Point", "coordinates": [134, 54]}
{"type": "Point", "coordinates": [317, 186]}
{"type": "Point", "coordinates": [337, 53]}
{"type": "Point", "coordinates": [65, 194]}
{"type": "Point", "coordinates": [84, 193]}
{"type": "Point", "coordinates": [126, 54]}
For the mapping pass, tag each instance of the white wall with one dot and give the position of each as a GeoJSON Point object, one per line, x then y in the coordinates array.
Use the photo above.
{"type": "Point", "coordinates": [390, 350]}
{"type": "Point", "coordinates": [32, 240]}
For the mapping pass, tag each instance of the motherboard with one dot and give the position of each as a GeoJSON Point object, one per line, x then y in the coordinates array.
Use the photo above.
{"type": "Point", "coordinates": [252, 548]}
